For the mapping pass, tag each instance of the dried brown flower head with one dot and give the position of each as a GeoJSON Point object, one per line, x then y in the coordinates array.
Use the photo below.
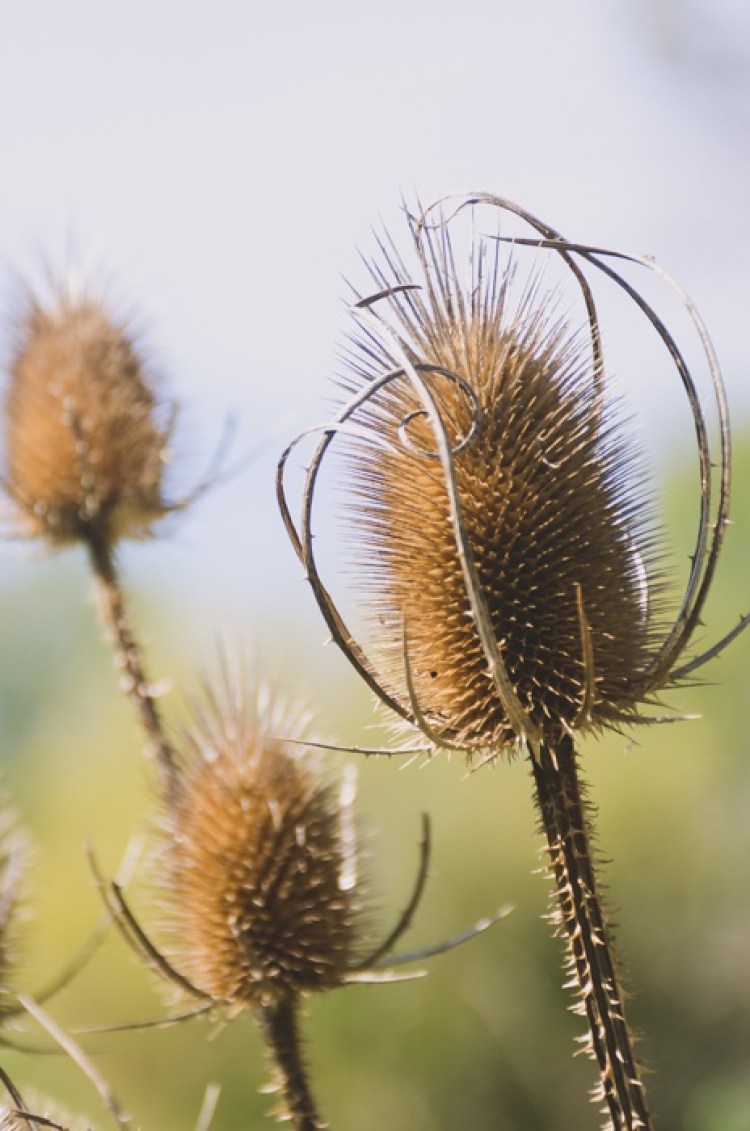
{"type": "Point", "coordinates": [84, 446]}
{"type": "Point", "coordinates": [546, 514]}
{"type": "Point", "coordinates": [260, 892]}
{"type": "Point", "coordinates": [499, 528]}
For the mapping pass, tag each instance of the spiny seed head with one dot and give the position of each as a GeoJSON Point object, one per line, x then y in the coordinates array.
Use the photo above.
{"type": "Point", "coordinates": [491, 449]}
{"type": "Point", "coordinates": [83, 443]}
{"type": "Point", "coordinates": [260, 895]}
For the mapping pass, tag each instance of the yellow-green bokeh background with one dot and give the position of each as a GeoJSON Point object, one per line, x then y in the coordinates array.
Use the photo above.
{"type": "Point", "coordinates": [485, 1042]}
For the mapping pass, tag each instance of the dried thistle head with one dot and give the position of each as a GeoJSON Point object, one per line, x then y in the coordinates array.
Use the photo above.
{"type": "Point", "coordinates": [256, 868]}
{"type": "Point", "coordinates": [257, 871]}
{"type": "Point", "coordinates": [84, 445]}
{"type": "Point", "coordinates": [547, 514]}
{"type": "Point", "coordinates": [499, 527]}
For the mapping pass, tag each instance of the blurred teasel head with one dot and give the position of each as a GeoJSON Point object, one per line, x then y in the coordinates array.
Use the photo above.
{"type": "Point", "coordinates": [257, 869]}
{"type": "Point", "coordinates": [258, 866]}
{"type": "Point", "coordinates": [85, 436]}
{"type": "Point", "coordinates": [500, 528]}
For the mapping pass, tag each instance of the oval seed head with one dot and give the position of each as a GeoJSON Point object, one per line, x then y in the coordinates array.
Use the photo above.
{"type": "Point", "coordinates": [535, 489]}
{"type": "Point", "coordinates": [83, 445]}
{"type": "Point", "coordinates": [256, 871]}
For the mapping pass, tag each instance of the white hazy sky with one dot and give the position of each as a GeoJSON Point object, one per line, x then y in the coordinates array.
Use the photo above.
{"type": "Point", "coordinates": [225, 158]}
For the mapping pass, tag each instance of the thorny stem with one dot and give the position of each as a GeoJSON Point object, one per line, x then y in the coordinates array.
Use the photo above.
{"type": "Point", "coordinates": [279, 1023]}
{"type": "Point", "coordinates": [114, 613]}
{"type": "Point", "coordinates": [581, 919]}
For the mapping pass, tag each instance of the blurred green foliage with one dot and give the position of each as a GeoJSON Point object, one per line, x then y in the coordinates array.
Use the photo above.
{"type": "Point", "coordinates": [486, 1041]}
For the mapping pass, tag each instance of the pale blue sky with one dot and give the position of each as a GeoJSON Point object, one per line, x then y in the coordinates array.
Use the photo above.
{"type": "Point", "coordinates": [225, 158]}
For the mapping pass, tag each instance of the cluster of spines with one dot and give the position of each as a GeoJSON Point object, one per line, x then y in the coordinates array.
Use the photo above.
{"type": "Point", "coordinates": [554, 512]}
{"type": "Point", "coordinates": [253, 864]}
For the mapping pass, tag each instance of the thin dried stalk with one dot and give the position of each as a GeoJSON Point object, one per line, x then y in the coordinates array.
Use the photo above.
{"type": "Point", "coordinates": [114, 613]}
{"type": "Point", "coordinates": [279, 1021]}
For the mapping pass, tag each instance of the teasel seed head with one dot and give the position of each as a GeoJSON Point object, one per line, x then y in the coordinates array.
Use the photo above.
{"type": "Point", "coordinates": [85, 442]}
{"type": "Point", "coordinates": [261, 900]}
{"type": "Point", "coordinates": [500, 528]}
{"type": "Point", "coordinates": [545, 519]}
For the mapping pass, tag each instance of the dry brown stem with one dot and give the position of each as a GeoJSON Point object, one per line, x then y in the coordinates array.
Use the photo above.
{"type": "Point", "coordinates": [581, 920]}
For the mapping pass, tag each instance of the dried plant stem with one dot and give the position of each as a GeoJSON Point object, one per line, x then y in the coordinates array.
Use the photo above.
{"type": "Point", "coordinates": [280, 1025]}
{"type": "Point", "coordinates": [79, 1057]}
{"type": "Point", "coordinates": [114, 613]}
{"type": "Point", "coordinates": [582, 921]}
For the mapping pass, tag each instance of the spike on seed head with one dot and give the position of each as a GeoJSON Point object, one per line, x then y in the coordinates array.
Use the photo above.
{"type": "Point", "coordinates": [497, 491]}
{"type": "Point", "coordinates": [255, 869]}
{"type": "Point", "coordinates": [84, 447]}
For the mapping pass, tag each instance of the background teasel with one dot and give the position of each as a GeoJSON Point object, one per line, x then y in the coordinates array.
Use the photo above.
{"type": "Point", "coordinates": [504, 550]}
{"type": "Point", "coordinates": [85, 448]}
{"type": "Point", "coordinates": [258, 868]}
